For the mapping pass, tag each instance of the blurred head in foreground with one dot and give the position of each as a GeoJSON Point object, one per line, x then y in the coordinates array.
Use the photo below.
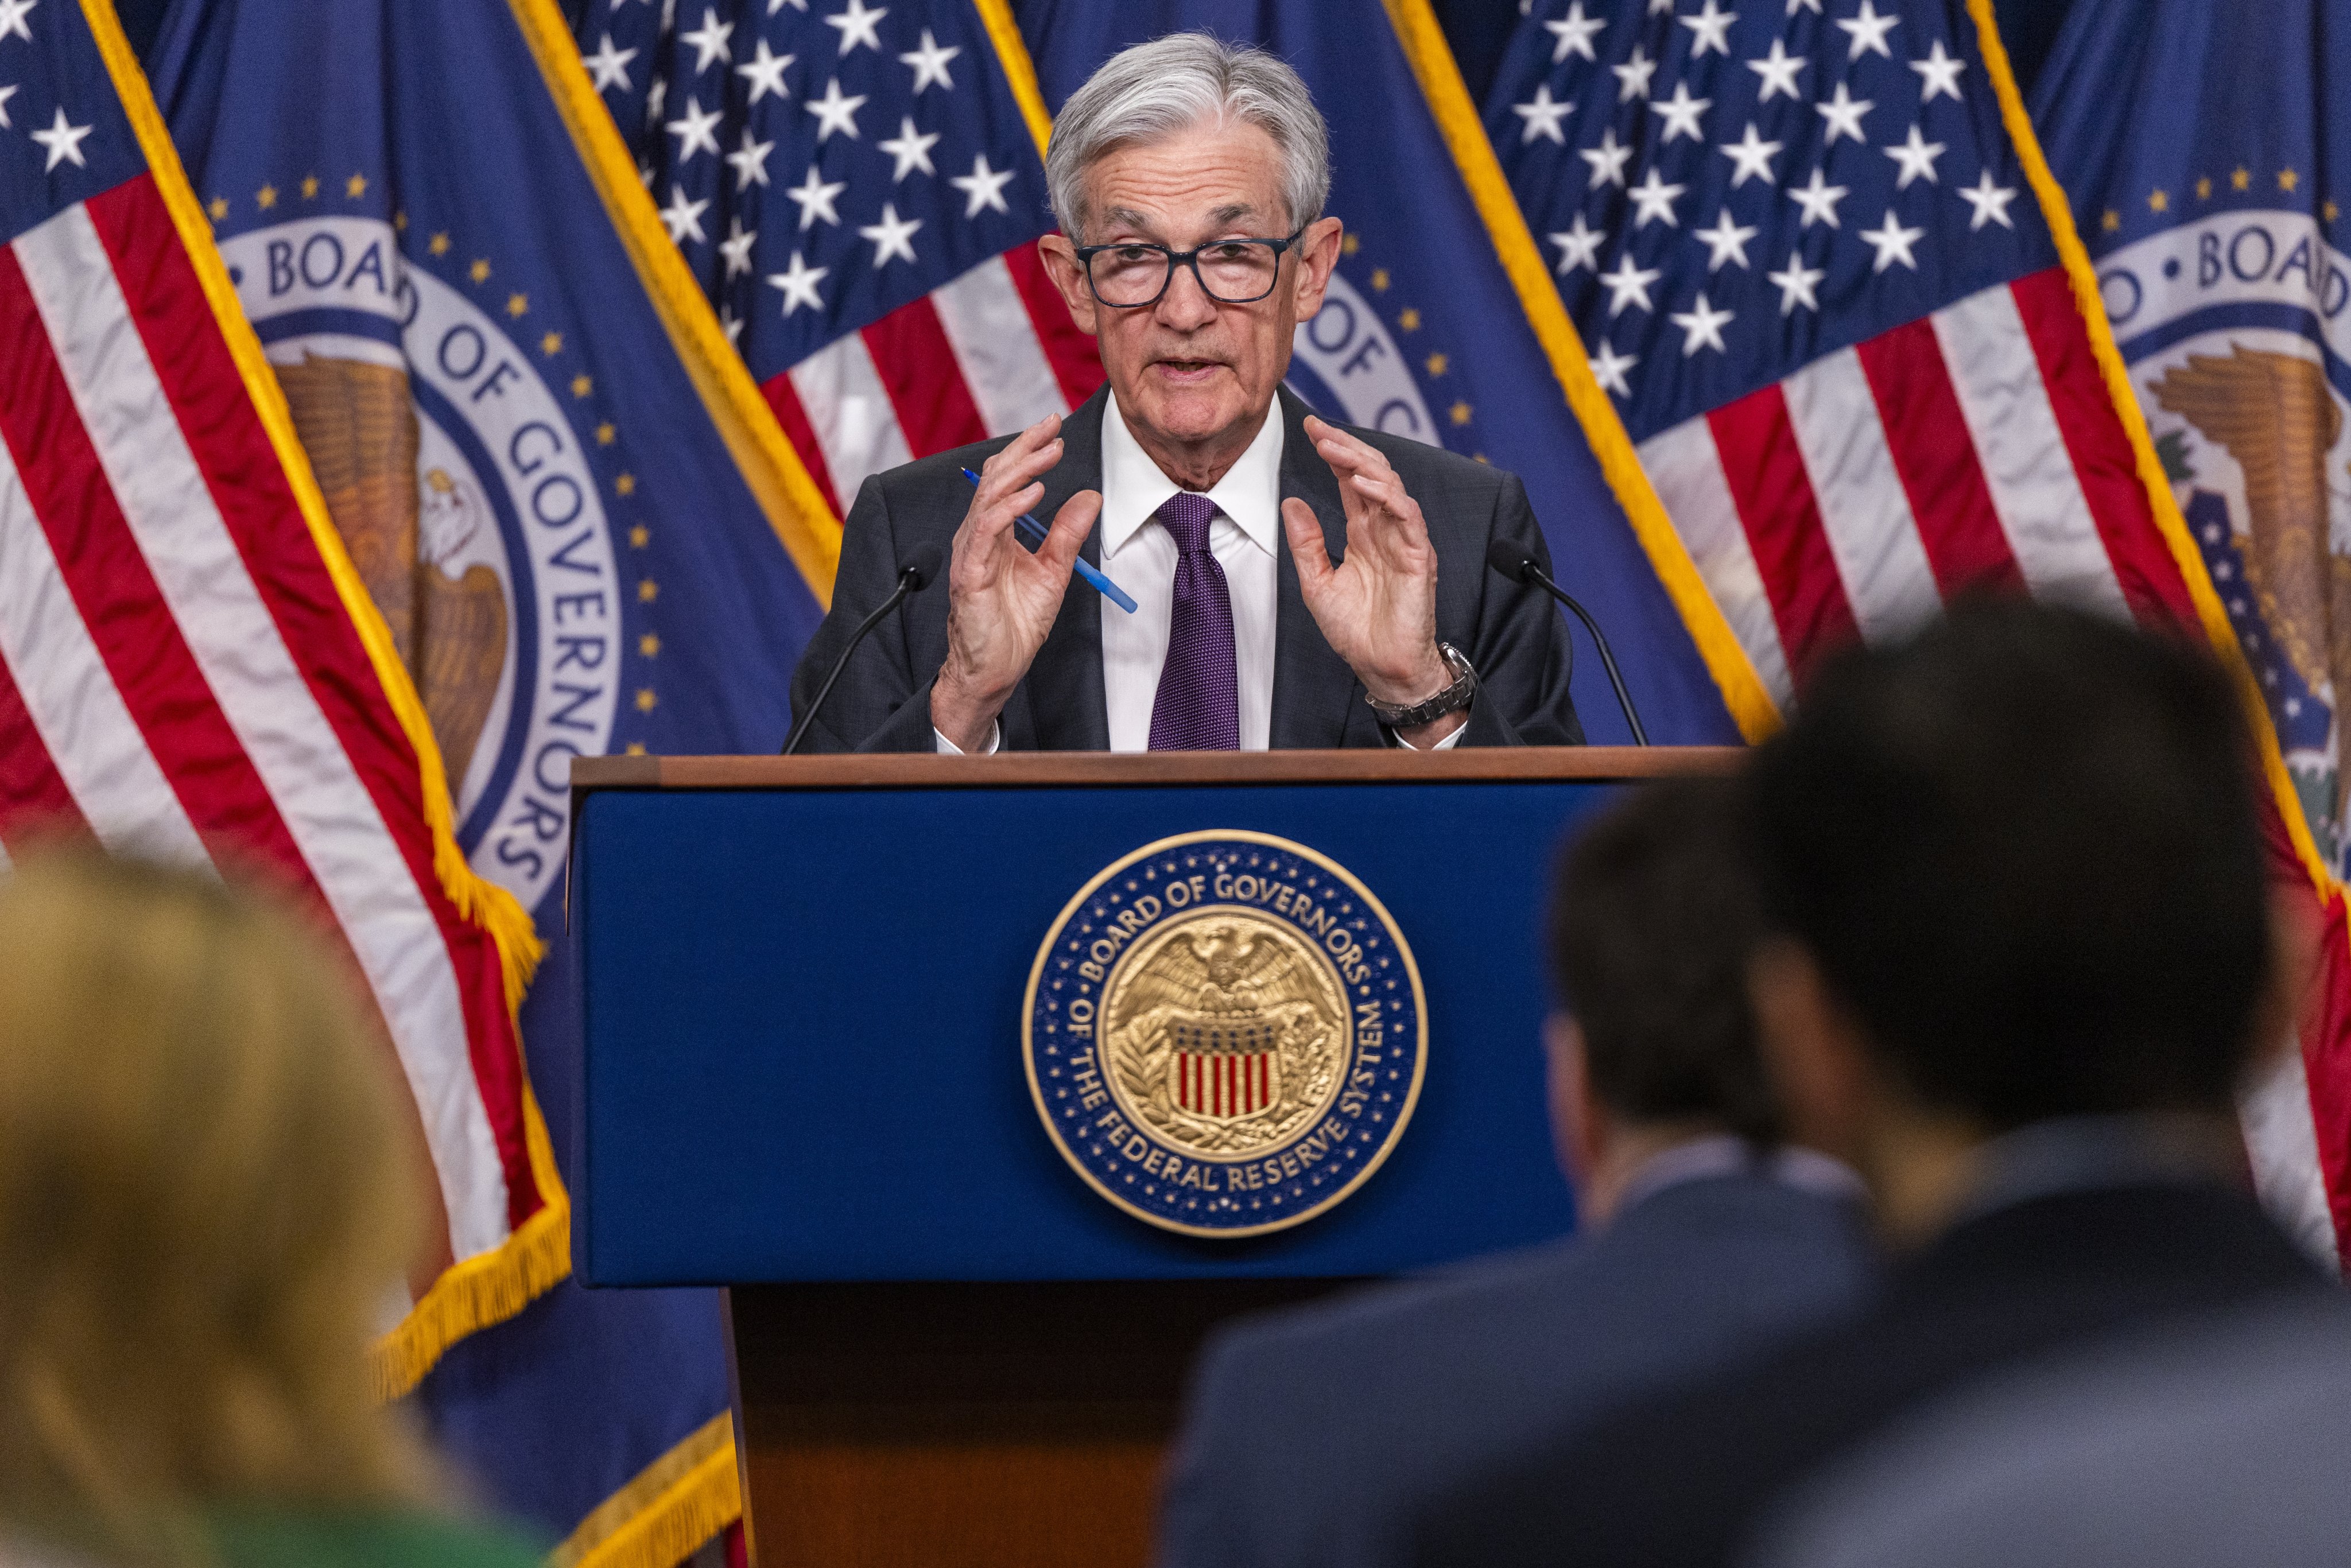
{"type": "Point", "coordinates": [1653, 921]}
{"type": "Point", "coordinates": [2011, 871]}
{"type": "Point", "coordinates": [204, 1204]}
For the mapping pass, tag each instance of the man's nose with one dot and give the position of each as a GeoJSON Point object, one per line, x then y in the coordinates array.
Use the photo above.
{"type": "Point", "coordinates": [1185, 307]}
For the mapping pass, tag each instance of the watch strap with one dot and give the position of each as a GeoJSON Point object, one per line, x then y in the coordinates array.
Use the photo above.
{"type": "Point", "coordinates": [1451, 699]}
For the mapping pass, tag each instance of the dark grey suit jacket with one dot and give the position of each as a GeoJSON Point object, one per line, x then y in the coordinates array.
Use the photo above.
{"type": "Point", "coordinates": [1512, 634]}
{"type": "Point", "coordinates": [1686, 1481]}
{"type": "Point", "coordinates": [1313, 1436]}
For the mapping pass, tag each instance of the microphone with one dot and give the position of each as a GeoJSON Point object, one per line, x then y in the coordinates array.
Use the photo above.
{"type": "Point", "coordinates": [1516, 564]}
{"type": "Point", "coordinates": [916, 575]}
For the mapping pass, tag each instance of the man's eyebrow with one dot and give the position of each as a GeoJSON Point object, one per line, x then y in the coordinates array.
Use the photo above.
{"type": "Point", "coordinates": [1127, 217]}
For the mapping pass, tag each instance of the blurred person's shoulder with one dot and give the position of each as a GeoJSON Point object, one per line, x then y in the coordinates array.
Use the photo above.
{"type": "Point", "coordinates": [1312, 1432]}
{"type": "Point", "coordinates": [1509, 1308]}
{"type": "Point", "coordinates": [365, 1538]}
{"type": "Point", "coordinates": [2211, 1440]}
{"type": "Point", "coordinates": [1689, 1477]}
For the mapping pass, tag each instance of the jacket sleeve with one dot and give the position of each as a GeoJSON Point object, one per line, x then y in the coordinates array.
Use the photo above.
{"type": "Point", "coordinates": [1520, 649]}
{"type": "Point", "coordinates": [1204, 1503]}
{"type": "Point", "coordinates": [878, 704]}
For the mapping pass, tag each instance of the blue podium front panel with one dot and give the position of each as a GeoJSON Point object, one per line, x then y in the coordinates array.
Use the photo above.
{"type": "Point", "coordinates": [803, 1015]}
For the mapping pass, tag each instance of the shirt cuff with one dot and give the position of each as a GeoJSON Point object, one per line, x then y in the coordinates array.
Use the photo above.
{"type": "Point", "coordinates": [1401, 744]}
{"type": "Point", "coordinates": [949, 748]}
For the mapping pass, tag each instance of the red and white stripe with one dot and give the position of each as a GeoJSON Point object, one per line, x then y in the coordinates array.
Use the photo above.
{"type": "Point", "coordinates": [987, 354]}
{"type": "Point", "coordinates": [1978, 447]}
{"type": "Point", "coordinates": [179, 677]}
{"type": "Point", "coordinates": [1858, 497]}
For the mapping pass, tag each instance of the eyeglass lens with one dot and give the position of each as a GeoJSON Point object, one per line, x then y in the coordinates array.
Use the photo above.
{"type": "Point", "coordinates": [1236, 271]}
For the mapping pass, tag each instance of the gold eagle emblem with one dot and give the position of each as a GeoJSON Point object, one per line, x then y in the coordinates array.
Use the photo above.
{"type": "Point", "coordinates": [1225, 1032]}
{"type": "Point", "coordinates": [2276, 416]}
{"type": "Point", "coordinates": [357, 422]}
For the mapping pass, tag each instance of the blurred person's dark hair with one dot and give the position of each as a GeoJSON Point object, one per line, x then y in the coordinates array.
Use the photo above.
{"type": "Point", "coordinates": [1652, 918]}
{"type": "Point", "coordinates": [2024, 849]}
{"type": "Point", "coordinates": [205, 1205]}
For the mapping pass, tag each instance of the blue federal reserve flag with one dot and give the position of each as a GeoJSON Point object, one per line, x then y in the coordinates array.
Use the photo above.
{"type": "Point", "coordinates": [586, 532]}
{"type": "Point", "coordinates": [2204, 151]}
{"type": "Point", "coordinates": [1426, 333]}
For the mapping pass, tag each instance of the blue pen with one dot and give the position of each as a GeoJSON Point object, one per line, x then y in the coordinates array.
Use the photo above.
{"type": "Point", "coordinates": [1102, 585]}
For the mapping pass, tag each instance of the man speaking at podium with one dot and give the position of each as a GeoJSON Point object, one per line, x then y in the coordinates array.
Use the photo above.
{"type": "Point", "coordinates": [1294, 583]}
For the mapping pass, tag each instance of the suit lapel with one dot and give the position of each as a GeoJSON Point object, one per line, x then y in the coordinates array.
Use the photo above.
{"type": "Point", "coordinates": [1064, 687]}
{"type": "Point", "coordinates": [1314, 689]}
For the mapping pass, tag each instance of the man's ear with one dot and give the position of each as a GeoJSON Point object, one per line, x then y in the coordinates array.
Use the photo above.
{"type": "Point", "coordinates": [1069, 276]}
{"type": "Point", "coordinates": [1318, 253]}
{"type": "Point", "coordinates": [1814, 1050]}
{"type": "Point", "coordinates": [1578, 1129]}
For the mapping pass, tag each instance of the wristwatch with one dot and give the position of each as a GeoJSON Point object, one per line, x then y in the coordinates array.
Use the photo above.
{"type": "Point", "coordinates": [1452, 699]}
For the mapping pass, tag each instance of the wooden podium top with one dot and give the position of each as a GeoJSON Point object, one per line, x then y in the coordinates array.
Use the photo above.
{"type": "Point", "coordinates": [926, 770]}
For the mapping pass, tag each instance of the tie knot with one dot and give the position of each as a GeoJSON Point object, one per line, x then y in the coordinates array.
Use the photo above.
{"type": "Point", "coordinates": [1186, 517]}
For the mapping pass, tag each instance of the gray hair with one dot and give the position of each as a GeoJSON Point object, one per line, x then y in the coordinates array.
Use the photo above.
{"type": "Point", "coordinates": [1156, 90]}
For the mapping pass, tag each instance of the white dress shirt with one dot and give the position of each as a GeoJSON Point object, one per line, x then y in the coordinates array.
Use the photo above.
{"type": "Point", "coordinates": [1139, 554]}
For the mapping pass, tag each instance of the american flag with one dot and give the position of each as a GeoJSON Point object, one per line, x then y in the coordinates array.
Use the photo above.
{"type": "Point", "coordinates": [1806, 260]}
{"type": "Point", "coordinates": [189, 669]}
{"type": "Point", "coordinates": [859, 189]}
{"type": "Point", "coordinates": [1808, 247]}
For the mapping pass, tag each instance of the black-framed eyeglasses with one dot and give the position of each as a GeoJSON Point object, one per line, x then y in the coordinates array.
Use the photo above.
{"type": "Point", "coordinates": [1131, 274]}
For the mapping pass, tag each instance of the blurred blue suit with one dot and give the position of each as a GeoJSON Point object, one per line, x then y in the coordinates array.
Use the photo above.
{"type": "Point", "coordinates": [1313, 1434]}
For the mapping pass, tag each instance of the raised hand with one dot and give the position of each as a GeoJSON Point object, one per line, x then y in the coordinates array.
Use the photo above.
{"type": "Point", "coordinates": [1002, 600]}
{"type": "Point", "coordinates": [1378, 607]}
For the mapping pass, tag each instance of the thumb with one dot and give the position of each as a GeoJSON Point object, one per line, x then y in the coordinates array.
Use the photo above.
{"type": "Point", "coordinates": [1306, 544]}
{"type": "Point", "coordinates": [1070, 526]}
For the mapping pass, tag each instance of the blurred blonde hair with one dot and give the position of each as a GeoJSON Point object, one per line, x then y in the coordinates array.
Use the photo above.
{"type": "Point", "coordinates": [204, 1206]}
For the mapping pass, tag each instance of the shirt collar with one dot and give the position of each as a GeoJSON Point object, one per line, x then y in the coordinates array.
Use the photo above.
{"type": "Point", "coordinates": [2070, 1154]}
{"type": "Point", "coordinates": [1134, 489]}
{"type": "Point", "coordinates": [1723, 1154]}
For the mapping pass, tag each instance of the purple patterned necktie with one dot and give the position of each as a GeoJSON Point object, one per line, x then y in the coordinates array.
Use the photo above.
{"type": "Point", "coordinates": [1198, 707]}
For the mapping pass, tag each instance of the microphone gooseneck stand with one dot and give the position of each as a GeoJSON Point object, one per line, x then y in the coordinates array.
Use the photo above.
{"type": "Point", "coordinates": [1519, 566]}
{"type": "Point", "coordinates": [912, 578]}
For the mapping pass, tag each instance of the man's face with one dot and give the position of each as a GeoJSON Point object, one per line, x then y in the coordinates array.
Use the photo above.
{"type": "Point", "coordinates": [1192, 372]}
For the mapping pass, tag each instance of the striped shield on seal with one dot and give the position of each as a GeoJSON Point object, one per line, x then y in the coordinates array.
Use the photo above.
{"type": "Point", "coordinates": [1225, 1067]}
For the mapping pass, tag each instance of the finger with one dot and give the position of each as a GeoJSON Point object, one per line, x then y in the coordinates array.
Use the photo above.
{"type": "Point", "coordinates": [1019, 452]}
{"type": "Point", "coordinates": [1025, 443]}
{"type": "Point", "coordinates": [1006, 477]}
{"type": "Point", "coordinates": [1070, 526]}
{"type": "Point", "coordinates": [1306, 544]}
{"type": "Point", "coordinates": [990, 521]}
{"type": "Point", "coordinates": [1342, 451]}
{"type": "Point", "coordinates": [1003, 516]}
{"type": "Point", "coordinates": [1385, 498]}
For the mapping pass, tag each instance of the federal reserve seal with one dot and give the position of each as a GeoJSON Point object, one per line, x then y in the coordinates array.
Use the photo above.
{"type": "Point", "coordinates": [1224, 1033]}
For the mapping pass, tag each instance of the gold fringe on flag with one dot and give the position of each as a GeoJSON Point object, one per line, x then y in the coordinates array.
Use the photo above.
{"type": "Point", "coordinates": [675, 1507]}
